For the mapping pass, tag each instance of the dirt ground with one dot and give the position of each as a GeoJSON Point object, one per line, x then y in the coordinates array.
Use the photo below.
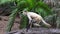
{"type": "Point", "coordinates": [4, 21]}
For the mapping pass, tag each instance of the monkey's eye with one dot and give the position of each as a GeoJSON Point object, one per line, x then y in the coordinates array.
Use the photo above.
{"type": "Point", "coordinates": [21, 12]}
{"type": "Point", "coordinates": [24, 11]}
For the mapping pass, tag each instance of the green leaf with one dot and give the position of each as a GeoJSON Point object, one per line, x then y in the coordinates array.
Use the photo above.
{"type": "Point", "coordinates": [31, 3]}
{"type": "Point", "coordinates": [5, 1]}
{"type": "Point", "coordinates": [42, 12]}
{"type": "Point", "coordinates": [44, 6]}
{"type": "Point", "coordinates": [11, 20]}
{"type": "Point", "coordinates": [24, 21]}
{"type": "Point", "coordinates": [22, 5]}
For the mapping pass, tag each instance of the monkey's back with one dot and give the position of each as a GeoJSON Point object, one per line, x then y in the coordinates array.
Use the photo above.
{"type": "Point", "coordinates": [34, 15]}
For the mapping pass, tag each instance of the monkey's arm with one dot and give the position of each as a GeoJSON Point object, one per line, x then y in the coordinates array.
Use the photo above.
{"type": "Point", "coordinates": [29, 25]}
{"type": "Point", "coordinates": [29, 17]}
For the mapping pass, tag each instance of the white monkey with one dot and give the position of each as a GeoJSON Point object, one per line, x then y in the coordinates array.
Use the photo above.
{"type": "Point", "coordinates": [35, 17]}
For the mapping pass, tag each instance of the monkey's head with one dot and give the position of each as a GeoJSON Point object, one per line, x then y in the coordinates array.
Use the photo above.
{"type": "Point", "coordinates": [24, 12]}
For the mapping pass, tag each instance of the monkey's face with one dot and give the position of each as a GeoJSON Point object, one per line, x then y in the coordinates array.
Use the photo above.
{"type": "Point", "coordinates": [24, 13]}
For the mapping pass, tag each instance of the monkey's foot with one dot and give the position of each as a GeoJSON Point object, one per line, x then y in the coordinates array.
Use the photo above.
{"type": "Point", "coordinates": [48, 25]}
{"type": "Point", "coordinates": [35, 24]}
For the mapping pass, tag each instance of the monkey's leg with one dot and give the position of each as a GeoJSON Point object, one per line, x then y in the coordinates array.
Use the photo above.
{"type": "Point", "coordinates": [29, 26]}
{"type": "Point", "coordinates": [36, 23]}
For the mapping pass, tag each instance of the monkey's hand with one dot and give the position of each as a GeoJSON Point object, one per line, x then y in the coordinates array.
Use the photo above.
{"type": "Point", "coordinates": [34, 23]}
{"type": "Point", "coordinates": [30, 21]}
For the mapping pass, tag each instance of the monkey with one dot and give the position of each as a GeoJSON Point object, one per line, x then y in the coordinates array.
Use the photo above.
{"type": "Point", "coordinates": [32, 16]}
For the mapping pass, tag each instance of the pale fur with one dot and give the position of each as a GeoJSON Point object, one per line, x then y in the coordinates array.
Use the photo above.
{"type": "Point", "coordinates": [36, 17]}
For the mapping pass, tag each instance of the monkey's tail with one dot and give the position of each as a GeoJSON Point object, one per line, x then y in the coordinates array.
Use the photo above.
{"type": "Point", "coordinates": [46, 23]}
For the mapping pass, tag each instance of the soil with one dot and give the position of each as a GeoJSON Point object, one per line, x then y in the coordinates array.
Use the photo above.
{"type": "Point", "coordinates": [4, 21]}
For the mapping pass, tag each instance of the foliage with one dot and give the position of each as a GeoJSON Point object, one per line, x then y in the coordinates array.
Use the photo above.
{"type": "Point", "coordinates": [24, 21]}
{"type": "Point", "coordinates": [11, 20]}
{"type": "Point", "coordinates": [36, 6]}
{"type": "Point", "coordinates": [5, 1]}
